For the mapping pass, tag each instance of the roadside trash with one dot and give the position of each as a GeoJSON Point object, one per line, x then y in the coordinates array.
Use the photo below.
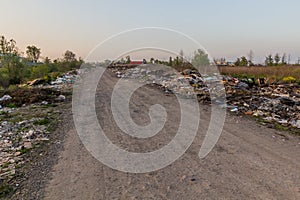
{"type": "Point", "coordinates": [36, 82]}
{"type": "Point", "coordinates": [61, 98]}
{"type": "Point", "coordinates": [5, 98]}
{"type": "Point", "coordinates": [234, 110]}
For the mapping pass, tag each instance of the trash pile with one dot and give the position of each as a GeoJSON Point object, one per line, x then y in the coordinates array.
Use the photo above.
{"type": "Point", "coordinates": [60, 82]}
{"type": "Point", "coordinates": [187, 85]}
{"type": "Point", "coordinates": [17, 136]}
{"type": "Point", "coordinates": [26, 114]}
{"type": "Point", "coordinates": [66, 79]}
{"type": "Point", "coordinates": [272, 103]}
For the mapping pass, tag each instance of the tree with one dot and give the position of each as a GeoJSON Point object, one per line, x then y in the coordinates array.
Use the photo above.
{"type": "Point", "coordinates": [244, 61]}
{"type": "Point", "coordinates": [33, 53]}
{"type": "Point", "coordinates": [269, 60]}
{"type": "Point", "coordinates": [47, 60]}
{"type": "Point", "coordinates": [200, 58]}
{"type": "Point", "coordinates": [237, 62]}
{"type": "Point", "coordinates": [283, 59]}
{"type": "Point", "coordinates": [15, 68]}
{"type": "Point", "coordinates": [8, 47]}
{"type": "Point", "coordinates": [128, 60]}
{"type": "Point", "coordinates": [69, 56]}
{"type": "Point", "coordinates": [152, 60]}
{"type": "Point", "coordinates": [277, 59]}
{"type": "Point", "coordinates": [170, 61]}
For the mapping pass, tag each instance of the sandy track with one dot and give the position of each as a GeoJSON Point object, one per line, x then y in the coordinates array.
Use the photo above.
{"type": "Point", "coordinates": [248, 162]}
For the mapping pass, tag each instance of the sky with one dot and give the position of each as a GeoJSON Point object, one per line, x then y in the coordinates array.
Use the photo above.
{"type": "Point", "coordinates": [225, 28]}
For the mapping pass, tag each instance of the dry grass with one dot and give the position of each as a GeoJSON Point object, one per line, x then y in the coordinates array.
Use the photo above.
{"type": "Point", "coordinates": [273, 74]}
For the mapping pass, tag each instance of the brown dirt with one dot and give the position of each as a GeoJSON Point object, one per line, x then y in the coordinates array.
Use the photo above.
{"type": "Point", "coordinates": [249, 161]}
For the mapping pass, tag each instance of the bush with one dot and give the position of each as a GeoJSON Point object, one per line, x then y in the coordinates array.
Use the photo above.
{"type": "Point", "coordinates": [4, 78]}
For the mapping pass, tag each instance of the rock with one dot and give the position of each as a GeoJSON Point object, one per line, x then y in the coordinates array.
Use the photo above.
{"type": "Point", "coordinates": [27, 145]}
{"type": "Point", "coordinates": [17, 153]}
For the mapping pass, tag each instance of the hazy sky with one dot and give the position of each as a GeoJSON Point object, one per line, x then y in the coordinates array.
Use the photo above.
{"type": "Point", "coordinates": [226, 28]}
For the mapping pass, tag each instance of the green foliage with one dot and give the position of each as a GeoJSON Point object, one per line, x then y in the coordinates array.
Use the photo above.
{"type": "Point", "coordinates": [15, 68]}
{"type": "Point", "coordinates": [277, 59]}
{"type": "Point", "coordinates": [244, 61]}
{"type": "Point", "coordinates": [40, 71]}
{"type": "Point", "coordinates": [69, 56]}
{"type": "Point", "coordinates": [170, 61]}
{"type": "Point", "coordinates": [5, 190]}
{"type": "Point", "coordinates": [269, 60]}
{"type": "Point", "coordinates": [11, 105]}
{"type": "Point", "coordinates": [4, 78]}
{"type": "Point", "coordinates": [42, 122]}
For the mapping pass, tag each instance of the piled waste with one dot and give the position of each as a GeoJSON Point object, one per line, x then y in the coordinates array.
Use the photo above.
{"type": "Point", "coordinates": [25, 116]}
{"type": "Point", "coordinates": [16, 138]}
{"type": "Point", "coordinates": [60, 82]}
{"type": "Point", "coordinates": [66, 79]}
{"type": "Point", "coordinates": [271, 103]}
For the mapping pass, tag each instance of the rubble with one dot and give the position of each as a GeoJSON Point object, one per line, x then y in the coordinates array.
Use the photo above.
{"type": "Point", "coordinates": [272, 103]}
{"type": "Point", "coordinates": [16, 138]}
{"type": "Point", "coordinates": [26, 114]}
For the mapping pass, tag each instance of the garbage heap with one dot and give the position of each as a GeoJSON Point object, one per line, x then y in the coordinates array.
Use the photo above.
{"type": "Point", "coordinates": [272, 103]}
{"type": "Point", "coordinates": [278, 104]}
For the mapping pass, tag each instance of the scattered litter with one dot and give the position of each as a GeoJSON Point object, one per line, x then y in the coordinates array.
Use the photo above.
{"type": "Point", "coordinates": [5, 98]}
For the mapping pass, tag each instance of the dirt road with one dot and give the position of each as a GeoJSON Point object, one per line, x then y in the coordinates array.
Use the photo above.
{"type": "Point", "coordinates": [249, 161]}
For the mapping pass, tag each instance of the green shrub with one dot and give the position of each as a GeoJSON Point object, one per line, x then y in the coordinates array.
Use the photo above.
{"type": "Point", "coordinates": [41, 122]}
{"type": "Point", "coordinates": [11, 105]}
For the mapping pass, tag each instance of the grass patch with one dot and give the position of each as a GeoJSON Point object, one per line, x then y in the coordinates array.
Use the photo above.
{"type": "Point", "coordinates": [11, 105]}
{"type": "Point", "coordinates": [272, 73]}
{"type": "Point", "coordinates": [5, 190]}
{"type": "Point", "coordinates": [24, 150]}
{"type": "Point", "coordinates": [42, 122]}
{"type": "Point", "coordinates": [49, 106]}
